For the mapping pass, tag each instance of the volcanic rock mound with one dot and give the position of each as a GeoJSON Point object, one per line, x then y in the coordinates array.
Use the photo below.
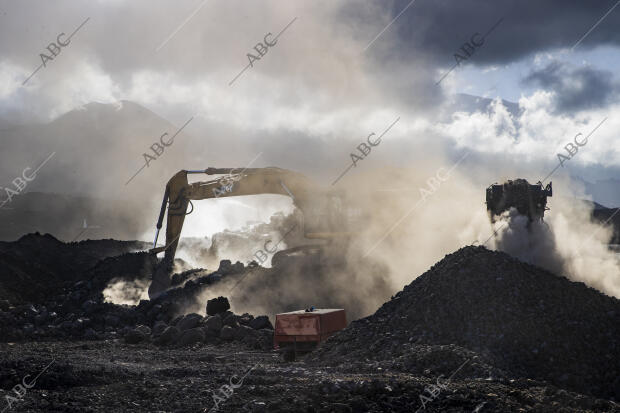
{"type": "Point", "coordinates": [522, 319]}
{"type": "Point", "coordinates": [37, 266]}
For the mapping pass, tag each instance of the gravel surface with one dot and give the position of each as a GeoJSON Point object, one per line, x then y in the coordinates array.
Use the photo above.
{"type": "Point", "coordinates": [110, 376]}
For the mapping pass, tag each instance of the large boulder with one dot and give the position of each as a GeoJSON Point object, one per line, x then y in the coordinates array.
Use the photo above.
{"type": "Point", "coordinates": [176, 320]}
{"type": "Point", "coordinates": [258, 339]}
{"type": "Point", "coordinates": [260, 322]}
{"type": "Point", "coordinates": [135, 336]}
{"type": "Point", "coordinates": [191, 336]}
{"type": "Point", "coordinates": [241, 332]}
{"type": "Point", "coordinates": [159, 328]}
{"type": "Point", "coordinates": [189, 321]}
{"type": "Point", "coordinates": [214, 323]}
{"type": "Point", "coordinates": [217, 305]}
{"type": "Point", "coordinates": [245, 319]}
{"type": "Point", "coordinates": [230, 320]}
{"type": "Point", "coordinates": [227, 333]}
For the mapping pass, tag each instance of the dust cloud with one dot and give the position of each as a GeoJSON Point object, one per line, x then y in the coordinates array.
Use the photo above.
{"type": "Point", "coordinates": [567, 243]}
{"type": "Point", "coordinates": [128, 292]}
{"type": "Point", "coordinates": [413, 217]}
{"type": "Point", "coordinates": [533, 242]}
{"type": "Point", "coordinates": [400, 221]}
{"type": "Point", "coordinates": [241, 244]}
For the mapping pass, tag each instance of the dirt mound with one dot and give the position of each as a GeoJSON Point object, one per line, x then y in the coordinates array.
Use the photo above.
{"type": "Point", "coordinates": [520, 318]}
{"type": "Point", "coordinates": [59, 295]}
{"type": "Point", "coordinates": [36, 266]}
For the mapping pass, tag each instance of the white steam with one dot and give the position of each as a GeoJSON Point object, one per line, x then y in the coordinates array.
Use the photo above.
{"type": "Point", "coordinates": [568, 243]}
{"type": "Point", "coordinates": [126, 292]}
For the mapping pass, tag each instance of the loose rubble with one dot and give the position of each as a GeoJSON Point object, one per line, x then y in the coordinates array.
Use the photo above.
{"type": "Point", "coordinates": [76, 310]}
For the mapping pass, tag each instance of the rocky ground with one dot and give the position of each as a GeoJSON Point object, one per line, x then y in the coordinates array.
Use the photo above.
{"type": "Point", "coordinates": [111, 376]}
{"type": "Point", "coordinates": [480, 331]}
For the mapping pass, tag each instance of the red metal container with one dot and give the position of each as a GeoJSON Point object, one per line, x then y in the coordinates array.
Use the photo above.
{"type": "Point", "coordinates": [307, 328]}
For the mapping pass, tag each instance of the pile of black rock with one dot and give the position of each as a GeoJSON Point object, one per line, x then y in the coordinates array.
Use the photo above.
{"type": "Point", "coordinates": [76, 310]}
{"type": "Point", "coordinates": [40, 298]}
{"type": "Point", "coordinates": [219, 326]}
{"type": "Point", "coordinates": [95, 320]}
{"type": "Point", "coordinates": [521, 319]}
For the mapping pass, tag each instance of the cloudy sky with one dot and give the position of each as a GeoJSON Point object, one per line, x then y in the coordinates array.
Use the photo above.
{"type": "Point", "coordinates": [338, 71]}
{"type": "Point", "coordinates": [340, 63]}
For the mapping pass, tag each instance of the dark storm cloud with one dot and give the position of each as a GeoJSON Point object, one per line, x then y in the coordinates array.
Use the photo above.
{"type": "Point", "coordinates": [436, 29]}
{"type": "Point", "coordinates": [576, 88]}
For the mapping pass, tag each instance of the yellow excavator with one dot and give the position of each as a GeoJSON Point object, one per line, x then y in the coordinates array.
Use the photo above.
{"type": "Point", "coordinates": [324, 213]}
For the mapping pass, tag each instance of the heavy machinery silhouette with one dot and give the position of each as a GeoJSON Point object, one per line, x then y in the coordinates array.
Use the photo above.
{"type": "Point", "coordinates": [323, 212]}
{"type": "Point", "coordinates": [529, 200]}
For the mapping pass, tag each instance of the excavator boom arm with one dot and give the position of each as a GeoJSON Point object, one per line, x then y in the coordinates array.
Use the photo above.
{"type": "Point", "coordinates": [249, 181]}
